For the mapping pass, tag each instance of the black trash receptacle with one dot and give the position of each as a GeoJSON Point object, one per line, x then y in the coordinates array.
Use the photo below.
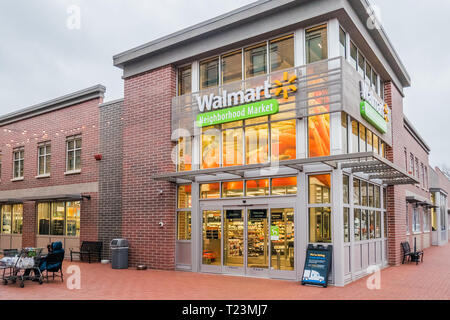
{"type": "Point", "coordinates": [119, 253]}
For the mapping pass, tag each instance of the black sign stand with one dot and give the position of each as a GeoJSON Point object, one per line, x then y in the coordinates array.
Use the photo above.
{"type": "Point", "coordinates": [317, 265]}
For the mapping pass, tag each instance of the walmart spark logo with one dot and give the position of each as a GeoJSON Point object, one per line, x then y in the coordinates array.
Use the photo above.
{"type": "Point", "coordinates": [286, 86]}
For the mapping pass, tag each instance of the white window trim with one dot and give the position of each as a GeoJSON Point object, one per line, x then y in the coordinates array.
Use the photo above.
{"type": "Point", "coordinates": [74, 150]}
{"type": "Point", "coordinates": [44, 156]}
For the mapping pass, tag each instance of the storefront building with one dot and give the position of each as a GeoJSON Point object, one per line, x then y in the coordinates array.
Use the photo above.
{"type": "Point", "coordinates": [49, 177]}
{"type": "Point", "coordinates": [239, 142]}
{"type": "Point", "coordinates": [254, 134]}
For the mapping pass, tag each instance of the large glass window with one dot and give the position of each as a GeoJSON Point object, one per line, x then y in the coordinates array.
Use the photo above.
{"type": "Point", "coordinates": [320, 216]}
{"type": "Point", "coordinates": [184, 162]}
{"type": "Point", "coordinates": [345, 183]}
{"type": "Point", "coordinates": [346, 225]}
{"type": "Point", "coordinates": [232, 67]}
{"type": "Point", "coordinates": [362, 138]}
{"type": "Point", "coordinates": [184, 80]}
{"type": "Point", "coordinates": [319, 135]}
{"type": "Point", "coordinates": [319, 189]}
{"type": "Point", "coordinates": [256, 60]}
{"type": "Point", "coordinates": [284, 186]}
{"type": "Point", "coordinates": [357, 224]}
{"type": "Point", "coordinates": [59, 218]}
{"type": "Point", "coordinates": [364, 198]}
{"type": "Point", "coordinates": [353, 55]}
{"type": "Point", "coordinates": [364, 224]}
{"type": "Point", "coordinates": [209, 73]}
{"type": "Point", "coordinates": [44, 158]}
{"type": "Point", "coordinates": [210, 190]}
{"type": "Point", "coordinates": [184, 196]}
{"type": "Point", "coordinates": [344, 130]}
{"type": "Point", "coordinates": [6, 219]}
{"type": "Point", "coordinates": [320, 224]}
{"type": "Point", "coordinates": [233, 144]}
{"type": "Point", "coordinates": [282, 239]}
{"type": "Point", "coordinates": [73, 153]}
{"type": "Point", "coordinates": [183, 225]}
{"type": "Point", "coordinates": [212, 225]}
{"type": "Point", "coordinates": [73, 218]}
{"type": "Point", "coordinates": [283, 140]}
{"type": "Point", "coordinates": [282, 53]}
{"type": "Point", "coordinates": [416, 220]}
{"type": "Point", "coordinates": [232, 189]}
{"type": "Point", "coordinates": [18, 160]}
{"type": "Point", "coordinates": [257, 188]}
{"type": "Point", "coordinates": [342, 43]}
{"type": "Point", "coordinates": [257, 143]}
{"type": "Point", "coordinates": [372, 224]}
{"type": "Point", "coordinates": [316, 44]}
{"type": "Point", "coordinates": [361, 64]}
{"type": "Point", "coordinates": [210, 147]}
{"type": "Point", "coordinates": [44, 218]}
{"type": "Point", "coordinates": [355, 136]}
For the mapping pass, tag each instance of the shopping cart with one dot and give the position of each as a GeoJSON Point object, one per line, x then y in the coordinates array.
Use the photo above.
{"type": "Point", "coordinates": [23, 266]}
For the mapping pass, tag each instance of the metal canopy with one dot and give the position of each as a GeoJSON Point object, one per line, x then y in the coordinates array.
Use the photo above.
{"type": "Point", "coordinates": [10, 201]}
{"type": "Point", "coordinates": [366, 162]}
{"type": "Point", "coordinates": [60, 197]}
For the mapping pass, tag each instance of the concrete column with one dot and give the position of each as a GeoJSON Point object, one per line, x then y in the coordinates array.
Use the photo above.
{"type": "Point", "coordinates": [337, 222]}
{"type": "Point", "coordinates": [195, 227]}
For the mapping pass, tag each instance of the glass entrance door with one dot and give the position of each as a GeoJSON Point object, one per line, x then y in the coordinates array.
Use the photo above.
{"type": "Point", "coordinates": [257, 242]}
{"type": "Point", "coordinates": [212, 241]}
{"type": "Point", "coordinates": [233, 241]}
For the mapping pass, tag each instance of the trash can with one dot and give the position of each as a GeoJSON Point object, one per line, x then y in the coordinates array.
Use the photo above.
{"type": "Point", "coordinates": [119, 253]}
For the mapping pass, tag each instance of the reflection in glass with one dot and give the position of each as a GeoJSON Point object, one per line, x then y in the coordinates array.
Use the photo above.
{"type": "Point", "coordinates": [357, 224]}
{"type": "Point", "coordinates": [212, 224]}
{"type": "Point", "coordinates": [319, 188]}
{"type": "Point", "coordinates": [284, 186]}
{"type": "Point", "coordinates": [257, 188]}
{"type": "Point", "coordinates": [232, 189]}
{"type": "Point", "coordinates": [282, 239]}
{"type": "Point", "coordinates": [355, 137]}
{"type": "Point", "coordinates": [17, 219]}
{"type": "Point", "coordinates": [57, 219]}
{"type": "Point", "coordinates": [232, 67]}
{"type": "Point", "coordinates": [256, 60]}
{"type": "Point", "coordinates": [319, 135]}
{"type": "Point", "coordinates": [257, 144]}
{"type": "Point", "coordinates": [283, 140]}
{"type": "Point", "coordinates": [316, 44]}
{"type": "Point", "coordinates": [73, 218]}
{"type": "Point", "coordinates": [372, 224]}
{"type": "Point", "coordinates": [6, 219]}
{"type": "Point", "coordinates": [364, 193]}
{"type": "Point", "coordinates": [184, 196]}
{"type": "Point", "coordinates": [184, 225]}
{"type": "Point", "coordinates": [378, 225]}
{"type": "Point", "coordinates": [209, 73]}
{"type": "Point", "coordinates": [210, 147]}
{"type": "Point", "coordinates": [345, 182]}
{"type": "Point", "coordinates": [233, 147]}
{"type": "Point", "coordinates": [356, 192]}
{"type": "Point", "coordinates": [282, 53]}
{"type": "Point", "coordinates": [346, 225]}
{"type": "Point", "coordinates": [184, 162]}
{"type": "Point", "coordinates": [234, 238]}
{"type": "Point", "coordinates": [364, 225]}
{"type": "Point", "coordinates": [44, 218]}
{"type": "Point", "coordinates": [184, 80]}
{"type": "Point", "coordinates": [210, 190]}
{"type": "Point", "coordinates": [320, 225]}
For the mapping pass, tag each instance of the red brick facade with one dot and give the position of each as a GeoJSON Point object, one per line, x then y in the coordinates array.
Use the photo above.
{"type": "Point", "coordinates": [146, 151]}
{"type": "Point", "coordinates": [397, 206]}
{"type": "Point", "coordinates": [53, 127]}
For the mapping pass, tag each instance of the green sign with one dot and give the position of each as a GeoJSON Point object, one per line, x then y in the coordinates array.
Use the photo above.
{"type": "Point", "coordinates": [373, 117]}
{"type": "Point", "coordinates": [247, 111]}
{"type": "Point", "coordinates": [274, 233]}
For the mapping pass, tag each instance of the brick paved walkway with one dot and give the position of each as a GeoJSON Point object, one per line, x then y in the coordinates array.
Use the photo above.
{"type": "Point", "coordinates": [430, 280]}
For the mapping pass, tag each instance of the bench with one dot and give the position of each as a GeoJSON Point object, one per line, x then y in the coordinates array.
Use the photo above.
{"type": "Point", "coordinates": [413, 256]}
{"type": "Point", "coordinates": [89, 248]}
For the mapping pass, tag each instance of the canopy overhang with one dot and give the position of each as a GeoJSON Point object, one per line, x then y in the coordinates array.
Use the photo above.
{"type": "Point", "coordinates": [59, 197]}
{"type": "Point", "coordinates": [369, 163]}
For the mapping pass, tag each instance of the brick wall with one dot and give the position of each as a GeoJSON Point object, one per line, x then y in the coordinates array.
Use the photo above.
{"type": "Point", "coordinates": [147, 151]}
{"type": "Point", "coordinates": [54, 127]}
{"type": "Point", "coordinates": [110, 175]}
{"type": "Point", "coordinates": [397, 194]}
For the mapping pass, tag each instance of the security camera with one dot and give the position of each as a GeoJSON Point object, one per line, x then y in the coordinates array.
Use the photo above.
{"type": "Point", "coordinates": [160, 191]}
{"type": "Point", "coordinates": [161, 224]}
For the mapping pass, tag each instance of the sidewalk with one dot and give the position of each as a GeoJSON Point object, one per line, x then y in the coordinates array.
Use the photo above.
{"type": "Point", "coordinates": [430, 280]}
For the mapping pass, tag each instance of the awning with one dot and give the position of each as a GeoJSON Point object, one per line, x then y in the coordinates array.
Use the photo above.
{"type": "Point", "coordinates": [418, 200]}
{"type": "Point", "coordinates": [10, 201]}
{"type": "Point", "coordinates": [369, 163]}
{"type": "Point", "coordinates": [60, 197]}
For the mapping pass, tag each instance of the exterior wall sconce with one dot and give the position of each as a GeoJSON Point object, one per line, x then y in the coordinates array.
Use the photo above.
{"type": "Point", "coordinates": [98, 157]}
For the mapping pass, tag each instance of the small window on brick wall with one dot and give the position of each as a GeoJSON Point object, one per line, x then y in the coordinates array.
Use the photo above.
{"type": "Point", "coordinates": [73, 153]}
{"type": "Point", "coordinates": [18, 159]}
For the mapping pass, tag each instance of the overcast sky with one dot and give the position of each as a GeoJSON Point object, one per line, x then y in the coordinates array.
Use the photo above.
{"type": "Point", "coordinates": [41, 58]}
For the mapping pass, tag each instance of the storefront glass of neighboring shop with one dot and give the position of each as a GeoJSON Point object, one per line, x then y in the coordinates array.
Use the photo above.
{"type": "Point", "coordinates": [320, 208]}
{"type": "Point", "coordinates": [12, 219]}
{"type": "Point", "coordinates": [184, 212]}
{"type": "Point", "coordinates": [59, 218]}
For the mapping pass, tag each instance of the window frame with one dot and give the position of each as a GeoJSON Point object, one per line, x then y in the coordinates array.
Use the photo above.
{"type": "Point", "coordinates": [45, 156]}
{"type": "Point", "coordinates": [20, 161]}
{"type": "Point", "coordinates": [50, 218]}
{"type": "Point", "coordinates": [69, 139]}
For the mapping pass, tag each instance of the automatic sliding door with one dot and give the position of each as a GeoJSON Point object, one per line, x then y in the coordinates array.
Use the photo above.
{"type": "Point", "coordinates": [233, 241]}
{"type": "Point", "coordinates": [211, 241]}
{"type": "Point", "coordinates": [257, 241]}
